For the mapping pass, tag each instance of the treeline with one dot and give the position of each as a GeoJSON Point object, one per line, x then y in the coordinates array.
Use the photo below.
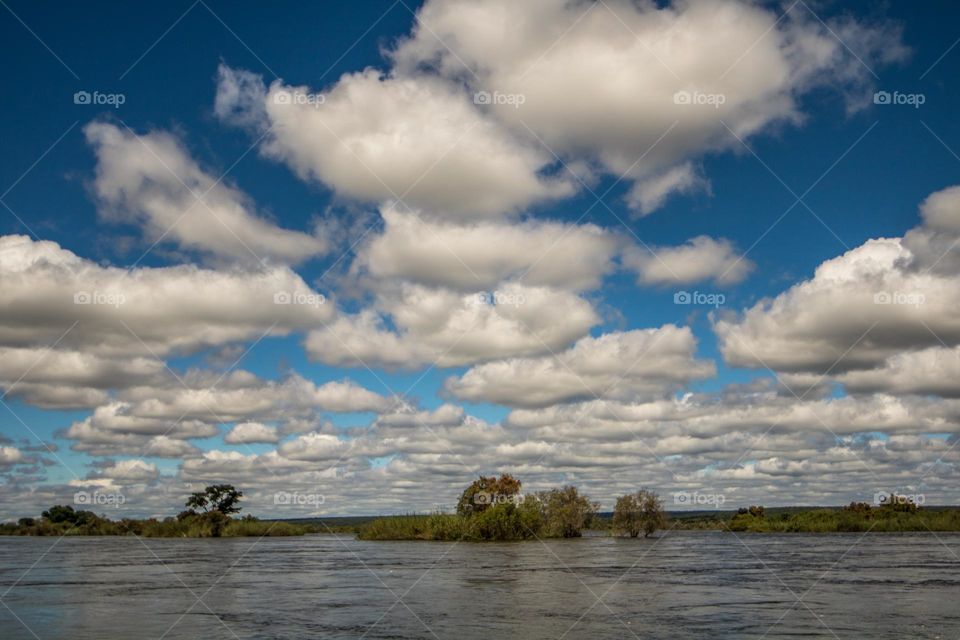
{"type": "Point", "coordinates": [897, 513]}
{"type": "Point", "coordinates": [493, 508]}
{"type": "Point", "coordinates": [209, 514]}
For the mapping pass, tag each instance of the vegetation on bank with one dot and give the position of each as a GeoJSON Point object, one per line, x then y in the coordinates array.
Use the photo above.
{"type": "Point", "coordinates": [896, 514]}
{"type": "Point", "coordinates": [493, 508]}
{"type": "Point", "coordinates": [208, 515]}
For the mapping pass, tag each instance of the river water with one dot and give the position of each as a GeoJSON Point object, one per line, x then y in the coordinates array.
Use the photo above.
{"type": "Point", "coordinates": [681, 585]}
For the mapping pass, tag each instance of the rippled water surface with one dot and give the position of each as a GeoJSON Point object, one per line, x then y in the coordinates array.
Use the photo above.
{"type": "Point", "coordinates": [682, 585]}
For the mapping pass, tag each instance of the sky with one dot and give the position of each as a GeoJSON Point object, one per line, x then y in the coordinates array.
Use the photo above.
{"type": "Point", "coordinates": [349, 256]}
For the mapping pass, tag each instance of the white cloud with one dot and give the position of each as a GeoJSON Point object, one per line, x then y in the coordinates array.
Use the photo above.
{"type": "Point", "coordinates": [10, 456]}
{"type": "Point", "coordinates": [449, 328]}
{"type": "Point", "coordinates": [481, 255]}
{"type": "Point", "coordinates": [935, 371]}
{"type": "Point", "coordinates": [646, 363]}
{"type": "Point", "coordinates": [701, 258]}
{"type": "Point", "coordinates": [251, 432]}
{"type": "Point", "coordinates": [381, 138]}
{"type": "Point", "coordinates": [50, 295]}
{"type": "Point", "coordinates": [599, 80]}
{"type": "Point", "coordinates": [151, 181]}
{"type": "Point", "coordinates": [877, 301]}
{"type": "Point", "coordinates": [314, 447]}
{"type": "Point", "coordinates": [127, 472]}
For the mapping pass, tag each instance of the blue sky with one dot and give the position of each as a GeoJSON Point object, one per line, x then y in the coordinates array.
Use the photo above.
{"type": "Point", "coordinates": [862, 170]}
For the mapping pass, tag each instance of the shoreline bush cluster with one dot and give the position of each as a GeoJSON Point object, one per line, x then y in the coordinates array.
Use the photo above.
{"type": "Point", "coordinates": [493, 508]}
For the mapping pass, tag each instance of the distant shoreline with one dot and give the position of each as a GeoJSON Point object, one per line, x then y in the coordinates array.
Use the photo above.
{"type": "Point", "coordinates": [773, 520]}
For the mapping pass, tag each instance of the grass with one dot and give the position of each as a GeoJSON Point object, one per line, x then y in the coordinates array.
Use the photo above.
{"type": "Point", "coordinates": [413, 527]}
{"type": "Point", "coordinates": [841, 521]}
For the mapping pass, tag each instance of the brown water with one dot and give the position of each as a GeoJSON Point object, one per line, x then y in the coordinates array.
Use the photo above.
{"type": "Point", "coordinates": [683, 585]}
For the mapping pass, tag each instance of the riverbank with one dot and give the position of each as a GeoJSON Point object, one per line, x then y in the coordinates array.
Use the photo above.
{"type": "Point", "coordinates": [775, 520]}
{"type": "Point", "coordinates": [167, 528]}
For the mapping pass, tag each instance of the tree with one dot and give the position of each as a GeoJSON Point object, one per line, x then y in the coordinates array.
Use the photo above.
{"type": "Point", "coordinates": [636, 512]}
{"type": "Point", "coordinates": [221, 498]}
{"type": "Point", "coordinates": [566, 512]}
{"type": "Point", "coordinates": [487, 491]}
{"type": "Point", "coordinates": [60, 513]}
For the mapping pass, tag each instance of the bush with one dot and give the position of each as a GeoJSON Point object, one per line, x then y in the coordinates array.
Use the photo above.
{"type": "Point", "coordinates": [636, 512]}
{"type": "Point", "coordinates": [566, 513]}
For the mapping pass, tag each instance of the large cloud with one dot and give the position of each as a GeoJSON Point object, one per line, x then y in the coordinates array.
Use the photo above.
{"type": "Point", "coordinates": [878, 301]}
{"type": "Point", "coordinates": [619, 82]}
{"type": "Point", "coordinates": [375, 138]}
{"type": "Point", "coordinates": [481, 255]}
{"type": "Point", "coordinates": [45, 290]}
{"type": "Point", "coordinates": [450, 328]}
{"type": "Point", "coordinates": [151, 181]}
{"type": "Point", "coordinates": [636, 364]}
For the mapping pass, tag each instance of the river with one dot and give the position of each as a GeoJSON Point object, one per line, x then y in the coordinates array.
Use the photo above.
{"type": "Point", "coordinates": [680, 585]}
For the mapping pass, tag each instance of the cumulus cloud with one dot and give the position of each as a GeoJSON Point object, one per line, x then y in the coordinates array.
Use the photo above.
{"type": "Point", "coordinates": [701, 258]}
{"type": "Point", "coordinates": [636, 364]}
{"type": "Point", "coordinates": [151, 181]}
{"type": "Point", "coordinates": [375, 137]}
{"type": "Point", "coordinates": [446, 415]}
{"type": "Point", "coordinates": [481, 255]}
{"type": "Point", "coordinates": [50, 295]}
{"type": "Point", "coordinates": [887, 297]}
{"type": "Point", "coordinates": [641, 89]}
{"type": "Point", "coordinates": [449, 328]}
{"type": "Point", "coordinates": [127, 472]}
{"type": "Point", "coordinates": [10, 456]}
{"type": "Point", "coordinates": [933, 371]}
{"type": "Point", "coordinates": [251, 432]}
{"type": "Point", "coordinates": [153, 418]}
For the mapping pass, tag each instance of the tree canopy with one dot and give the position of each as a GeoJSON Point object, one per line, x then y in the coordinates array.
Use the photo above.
{"type": "Point", "coordinates": [487, 491]}
{"type": "Point", "coordinates": [221, 498]}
